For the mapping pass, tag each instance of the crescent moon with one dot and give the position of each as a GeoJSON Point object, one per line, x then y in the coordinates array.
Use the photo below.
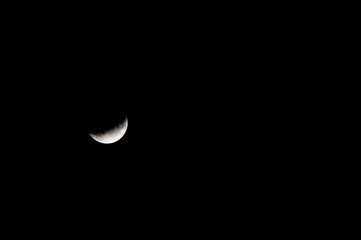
{"type": "Point", "coordinates": [112, 135]}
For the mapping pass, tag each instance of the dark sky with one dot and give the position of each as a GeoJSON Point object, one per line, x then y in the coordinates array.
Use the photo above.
{"type": "Point", "coordinates": [65, 96]}
{"type": "Point", "coordinates": [169, 84]}
{"type": "Point", "coordinates": [204, 94]}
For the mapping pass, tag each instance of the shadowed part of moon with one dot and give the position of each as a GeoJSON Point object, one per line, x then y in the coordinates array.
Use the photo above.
{"type": "Point", "coordinates": [112, 135]}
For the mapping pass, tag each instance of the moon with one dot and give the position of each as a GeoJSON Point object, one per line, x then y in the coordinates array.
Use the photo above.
{"type": "Point", "coordinates": [112, 135]}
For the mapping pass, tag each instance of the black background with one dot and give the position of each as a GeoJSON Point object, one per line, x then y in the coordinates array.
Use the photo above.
{"type": "Point", "coordinates": [188, 86]}
{"type": "Point", "coordinates": [64, 77]}
{"type": "Point", "coordinates": [218, 129]}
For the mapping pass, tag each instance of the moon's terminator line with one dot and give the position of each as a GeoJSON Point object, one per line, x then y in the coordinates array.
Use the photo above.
{"type": "Point", "coordinates": [112, 135]}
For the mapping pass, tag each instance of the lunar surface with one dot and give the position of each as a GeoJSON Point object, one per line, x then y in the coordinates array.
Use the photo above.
{"type": "Point", "coordinates": [112, 135]}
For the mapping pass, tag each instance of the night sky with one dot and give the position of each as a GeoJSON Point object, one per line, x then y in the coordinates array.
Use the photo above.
{"type": "Point", "coordinates": [66, 97]}
{"type": "Point", "coordinates": [64, 82]}
{"type": "Point", "coordinates": [214, 130]}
